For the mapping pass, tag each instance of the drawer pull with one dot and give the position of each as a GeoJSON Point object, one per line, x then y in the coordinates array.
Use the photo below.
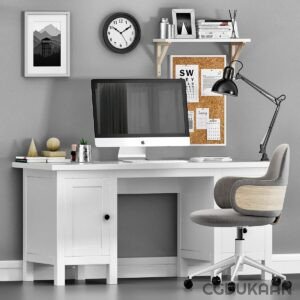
{"type": "Point", "coordinates": [106, 217]}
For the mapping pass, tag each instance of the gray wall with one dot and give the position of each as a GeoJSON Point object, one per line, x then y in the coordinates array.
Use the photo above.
{"type": "Point", "coordinates": [43, 107]}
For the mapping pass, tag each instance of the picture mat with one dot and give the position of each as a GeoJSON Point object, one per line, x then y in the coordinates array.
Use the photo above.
{"type": "Point", "coordinates": [31, 19]}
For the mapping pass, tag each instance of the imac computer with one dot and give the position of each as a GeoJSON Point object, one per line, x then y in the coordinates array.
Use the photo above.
{"type": "Point", "coordinates": [136, 113]}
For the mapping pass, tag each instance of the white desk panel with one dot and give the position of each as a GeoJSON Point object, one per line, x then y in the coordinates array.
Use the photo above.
{"type": "Point", "coordinates": [53, 196]}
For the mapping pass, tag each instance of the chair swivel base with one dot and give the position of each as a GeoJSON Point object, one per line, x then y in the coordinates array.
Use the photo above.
{"type": "Point", "coordinates": [237, 261]}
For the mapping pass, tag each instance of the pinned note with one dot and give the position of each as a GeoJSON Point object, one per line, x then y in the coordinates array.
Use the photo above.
{"type": "Point", "coordinates": [202, 117]}
{"type": "Point", "coordinates": [191, 122]}
{"type": "Point", "coordinates": [213, 130]}
{"type": "Point", "coordinates": [190, 74]}
{"type": "Point", "coordinates": [208, 79]}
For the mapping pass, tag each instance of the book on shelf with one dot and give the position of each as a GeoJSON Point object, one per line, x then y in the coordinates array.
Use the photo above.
{"type": "Point", "coordinates": [41, 159]}
{"type": "Point", "coordinates": [57, 159]}
{"type": "Point", "coordinates": [48, 153]}
{"type": "Point", "coordinates": [216, 29]}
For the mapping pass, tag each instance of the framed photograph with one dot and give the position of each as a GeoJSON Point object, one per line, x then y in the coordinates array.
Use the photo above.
{"type": "Point", "coordinates": [185, 26]}
{"type": "Point", "coordinates": [47, 44]}
{"type": "Point", "coordinates": [206, 110]}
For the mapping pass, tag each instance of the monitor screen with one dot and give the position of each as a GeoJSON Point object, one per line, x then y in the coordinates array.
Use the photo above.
{"type": "Point", "coordinates": [139, 108]}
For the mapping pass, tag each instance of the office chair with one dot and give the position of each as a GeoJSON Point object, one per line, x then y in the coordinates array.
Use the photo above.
{"type": "Point", "coordinates": [247, 202]}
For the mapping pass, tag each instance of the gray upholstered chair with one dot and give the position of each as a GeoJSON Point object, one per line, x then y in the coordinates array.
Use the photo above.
{"type": "Point", "coordinates": [247, 202]}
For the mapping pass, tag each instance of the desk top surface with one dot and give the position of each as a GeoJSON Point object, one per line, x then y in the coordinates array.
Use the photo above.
{"type": "Point", "coordinates": [117, 165]}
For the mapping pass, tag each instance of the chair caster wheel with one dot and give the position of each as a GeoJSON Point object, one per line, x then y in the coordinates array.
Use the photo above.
{"type": "Point", "coordinates": [276, 281]}
{"type": "Point", "coordinates": [231, 287]}
{"type": "Point", "coordinates": [188, 283]}
{"type": "Point", "coordinates": [216, 280]}
{"type": "Point", "coordinates": [286, 285]}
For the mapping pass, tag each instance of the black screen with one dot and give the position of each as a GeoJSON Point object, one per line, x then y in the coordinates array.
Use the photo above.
{"type": "Point", "coordinates": [139, 108]}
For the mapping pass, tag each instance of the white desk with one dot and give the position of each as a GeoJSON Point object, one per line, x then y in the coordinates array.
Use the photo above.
{"type": "Point", "coordinates": [70, 212]}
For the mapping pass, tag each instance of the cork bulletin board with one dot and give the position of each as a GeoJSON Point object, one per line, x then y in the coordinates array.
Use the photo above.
{"type": "Point", "coordinates": [206, 110]}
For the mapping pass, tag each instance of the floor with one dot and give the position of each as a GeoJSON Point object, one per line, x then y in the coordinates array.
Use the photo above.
{"type": "Point", "coordinates": [141, 289]}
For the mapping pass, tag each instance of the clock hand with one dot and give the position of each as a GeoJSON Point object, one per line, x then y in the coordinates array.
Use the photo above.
{"type": "Point", "coordinates": [121, 33]}
{"type": "Point", "coordinates": [116, 29]}
{"type": "Point", "coordinates": [124, 38]}
{"type": "Point", "coordinates": [126, 28]}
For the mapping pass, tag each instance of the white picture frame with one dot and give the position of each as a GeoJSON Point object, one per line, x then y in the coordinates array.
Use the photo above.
{"type": "Point", "coordinates": [46, 44]}
{"type": "Point", "coordinates": [185, 24]}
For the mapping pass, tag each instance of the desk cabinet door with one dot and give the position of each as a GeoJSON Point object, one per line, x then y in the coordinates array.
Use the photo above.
{"type": "Point", "coordinates": [86, 203]}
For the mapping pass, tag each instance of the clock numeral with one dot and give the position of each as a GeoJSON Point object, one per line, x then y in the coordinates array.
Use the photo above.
{"type": "Point", "coordinates": [115, 22]}
{"type": "Point", "coordinates": [120, 20]}
{"type": "Point", "coordinates": [120, 45]}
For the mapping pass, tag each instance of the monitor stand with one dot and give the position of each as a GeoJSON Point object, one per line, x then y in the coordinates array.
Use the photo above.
{"type": "Point", "coordinates": [132, 153]}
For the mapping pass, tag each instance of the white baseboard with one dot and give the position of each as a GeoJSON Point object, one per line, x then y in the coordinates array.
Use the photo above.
{"type": "Point", "coordinates": [286, 263]}
{"type": "Point", "coordinates": [127, 268]}
{"type": "Point", "coordinates": [11, 270]}
{"type": "Point", "coordinates": [133, 268]}
{"type": "Point", "coordinates": [136, 268]}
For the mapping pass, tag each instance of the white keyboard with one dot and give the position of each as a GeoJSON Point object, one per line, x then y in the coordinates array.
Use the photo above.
{"type": "Point", "coordinates": [210, 159]}
{"type": "Point", "coordinates": [143, 161]}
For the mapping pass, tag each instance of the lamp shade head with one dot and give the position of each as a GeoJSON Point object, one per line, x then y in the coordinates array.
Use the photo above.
{"type": "Point", "coordinates": [226, 85]}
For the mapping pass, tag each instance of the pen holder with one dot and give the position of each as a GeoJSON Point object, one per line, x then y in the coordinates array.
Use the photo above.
{"type": "Point", "coordinates": [84, 153]}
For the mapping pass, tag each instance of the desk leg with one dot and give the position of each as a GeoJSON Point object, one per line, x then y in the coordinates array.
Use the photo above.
{"type": "Point", "coordinates": [182, 267]}
{"type": "Point", "coordinates": [112, 273]}
{"type": "Point", "coordinates": [59, 274]}
{"type": "Point", "coordinates": [59, 263]}
{"type": "Point", "coordinates": [28, 271]}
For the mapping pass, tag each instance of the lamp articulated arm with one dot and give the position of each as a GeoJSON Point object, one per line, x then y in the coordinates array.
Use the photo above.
{"type": "Point", "coordinates": [226, 86]}
{"type": "Point", "coordinates": [275, 100]}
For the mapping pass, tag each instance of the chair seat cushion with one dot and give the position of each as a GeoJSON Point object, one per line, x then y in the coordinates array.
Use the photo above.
{"type": "Point", "coordinates": [227, 218]}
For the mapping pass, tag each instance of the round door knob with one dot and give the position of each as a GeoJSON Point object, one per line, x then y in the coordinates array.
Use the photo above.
{"type": "Point", "coordinates": [245, 230]}
{"type": "Point", "coordinates": [106, 217]}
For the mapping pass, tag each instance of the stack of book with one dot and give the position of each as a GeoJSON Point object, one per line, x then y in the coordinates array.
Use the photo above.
{"type": "Point", "coordinates": [57, 153]}
{"type": "Point", "coordinates": [215, 29]}
{"type": "Point", "coordinates": [41, 159]}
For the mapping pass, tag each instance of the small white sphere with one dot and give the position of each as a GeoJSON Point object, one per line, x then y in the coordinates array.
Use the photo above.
{"type": "Point", "coordinates": [53, 144]}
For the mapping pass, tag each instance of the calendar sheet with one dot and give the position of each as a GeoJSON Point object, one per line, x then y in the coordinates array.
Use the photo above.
{"type": "Point", "coordinates": [213, 130]}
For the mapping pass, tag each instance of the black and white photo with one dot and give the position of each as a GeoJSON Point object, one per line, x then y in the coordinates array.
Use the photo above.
{"type": "Point", "coordinates": [184, 20]}
{"type": "Point", "coordinates": [47, 44]}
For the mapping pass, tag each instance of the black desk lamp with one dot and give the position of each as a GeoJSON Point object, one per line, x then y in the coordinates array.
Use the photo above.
{"type": "Point", "coordinates": [226, 86]}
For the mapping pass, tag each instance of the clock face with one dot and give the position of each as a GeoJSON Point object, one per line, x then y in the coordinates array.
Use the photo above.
{"type": "Point", "coordinates": [121, 33]}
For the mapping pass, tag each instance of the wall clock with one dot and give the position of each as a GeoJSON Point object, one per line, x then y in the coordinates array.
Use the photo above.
{"type": "Point", "coordinates": [121, 32]}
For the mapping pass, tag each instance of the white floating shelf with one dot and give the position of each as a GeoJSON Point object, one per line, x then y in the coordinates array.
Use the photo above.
{"type": "Point", "coordinates": [162, 46]}
{"type": "Point", "coordinates": [202, 40]}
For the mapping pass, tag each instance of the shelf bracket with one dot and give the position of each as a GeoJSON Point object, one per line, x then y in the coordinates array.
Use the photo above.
{"type": "Point", "coordinates": [235, 51]}
{"type": "Point", "coordinates": [161, 51]}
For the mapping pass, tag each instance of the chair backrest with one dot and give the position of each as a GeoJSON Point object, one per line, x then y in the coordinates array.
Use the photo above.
{"type": "Point", "coordinates": [279, 165]}
{"type": "Point", "coordinates": [264, 196]}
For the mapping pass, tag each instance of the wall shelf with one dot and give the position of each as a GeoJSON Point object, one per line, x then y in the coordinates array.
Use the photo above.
{"type": "Point", "coordinates": [162, 46]}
